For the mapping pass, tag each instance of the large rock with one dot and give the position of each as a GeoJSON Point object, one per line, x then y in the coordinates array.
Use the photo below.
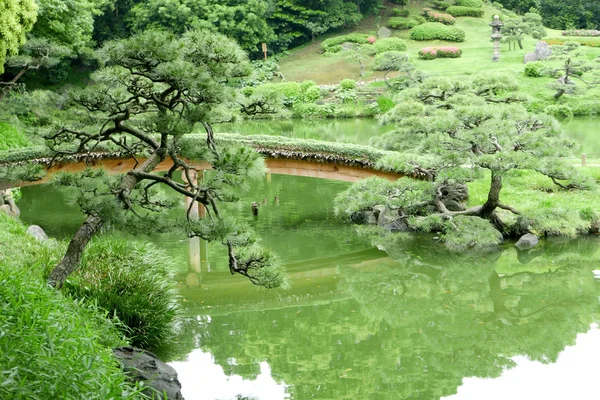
{"type": "Point", "coordinates": [37, 232]}
{"type": "Point", "coordinates": [160, 378]}
{"type": "Point", "coordinates": [387, 216]}
{"type": "Point", "coordinates": [384, 33]}
{"type": "Point", "coordinates": [527, 241]}
{"type": "Point", "coordinates": [7, 204]}
{"type": "Point", "coordinates": [530, 57]}
{"type": "Point", "coordinates": [542, 50]}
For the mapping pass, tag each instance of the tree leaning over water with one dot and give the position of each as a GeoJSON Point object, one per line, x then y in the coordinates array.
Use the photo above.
{"type": "Point", "coordinates": [451, 131]}
{"type": "Point", "coordinates": [152, 90]}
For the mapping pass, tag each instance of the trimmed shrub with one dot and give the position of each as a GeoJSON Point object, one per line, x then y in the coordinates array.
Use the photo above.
{"type": "Point", "coordinates": [431, 53]}
{"type": "Point", "coordinates": [459, 11]}
{"type": "Point", "coordinates": [289, 92]}
{"type": "Point", "coordinates": [449, 52]}
{"type": "Point", "coordinates": [433, 16]}
{"type": "Point", "coordinates": [401, 12]}
{"type": "Point", "coordinates": [334, 44]}
{"type": "Point", "coordinates": [469, 3]}
{"type": "Point", "coordinates": [403, 23]}
{"type": "Point", "coordinates": [390, 44]}
{"type": "Point", "coordinates": [534, 69]}
{"type": "Point", "coordinates": [440, 5]}
{"type": "Point", "coordinates": [428, 53]}
{"type": "Point", "coordinates": [133, 282]}
{"type": "Point", "coordinates": [348, 84]}
{"type": "Point", "coordinates": [437, 31]}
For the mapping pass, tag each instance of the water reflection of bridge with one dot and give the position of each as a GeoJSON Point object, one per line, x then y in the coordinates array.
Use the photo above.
{"type": "Point", "coordinates": [314, 277]}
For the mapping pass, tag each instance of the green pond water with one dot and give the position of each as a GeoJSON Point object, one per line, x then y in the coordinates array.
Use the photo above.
{"type": "Point", "coordinates": [403, 320]}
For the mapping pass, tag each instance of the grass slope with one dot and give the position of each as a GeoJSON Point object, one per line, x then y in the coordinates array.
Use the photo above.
{"type": "Point", "coordinates": [308, 63]}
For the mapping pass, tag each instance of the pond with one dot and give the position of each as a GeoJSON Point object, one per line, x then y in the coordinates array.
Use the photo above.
{"type": "Point", "coordinates": [400, 320]}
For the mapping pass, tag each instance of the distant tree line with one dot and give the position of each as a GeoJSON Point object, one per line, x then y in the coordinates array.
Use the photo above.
{"type": "Point", "coordinates": [560, 14]}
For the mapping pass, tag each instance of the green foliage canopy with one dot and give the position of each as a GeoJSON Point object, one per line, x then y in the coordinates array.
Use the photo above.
{"type": "Point", "coordinates": [16, 19]}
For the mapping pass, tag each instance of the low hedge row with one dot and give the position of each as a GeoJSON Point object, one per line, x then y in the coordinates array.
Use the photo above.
{"type": "Point", "coordinates": [431, 53]}
{"type": "Point", "coordinates": [469, 3]}
{"type": "Point", "coordinates": [401, 12]}
{"type": "Point", "coordinates": [437, 31]}
{"type": "Point", "coordinates": [440, 5]}
{"type": "Point", "coordinates": [581, 32]}
{"type": "Point", "coordinates": [590, 42]}
{"type": "Point", "coordinates": [405, 23]}
{"type": "Point", "coordinates": [460, 11]}
{"type": "Point", "coordinates": [334, 44]}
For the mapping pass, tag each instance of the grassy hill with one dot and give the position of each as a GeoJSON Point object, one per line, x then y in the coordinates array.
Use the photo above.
{"type": "Point", "coordinates": [309, 63]}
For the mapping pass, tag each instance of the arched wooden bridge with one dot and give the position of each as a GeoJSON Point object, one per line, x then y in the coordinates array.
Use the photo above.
{"type": "Point", "coordinates": [285, 156]}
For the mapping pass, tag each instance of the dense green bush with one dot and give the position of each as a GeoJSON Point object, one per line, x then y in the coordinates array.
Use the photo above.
{"type": "Point", "coordinates": [471, 233]}
{"type": "Point", "coordinates": [440, 5]}
{"type": "Point", "coordinates": [390, 44]}
{"type": "Point", "coordinates": [312, 94]}
{"type": "Point", "coordinates": [437, 31]}
{"type": "Point", "coordinates": [534, 69]}
{"type": "Point", "coordinates": [348, 84]}
{"type": "Point", "coordinates": [388, 61]}
{"type": "Point", "coordinates": [561, 112]}
{"type": "Point", "coordinates": [459, 11]}
{"type": "Point", "coordinates": [430, 53]}
{"type": "Point", "coordinates": [385, 104]}
{"type": "Point", "coordinates": [469, 3]}
{"type": "Point", "coordinates": [11, 137]}
{"type": "Point", "coordinates": [401, 12]}
{"type": "Point", "coordinates": [404, 23]}
{"type": "Point", "coordinates": [334, 44]}
{"type": "Point", "coordinates": [132, 281]}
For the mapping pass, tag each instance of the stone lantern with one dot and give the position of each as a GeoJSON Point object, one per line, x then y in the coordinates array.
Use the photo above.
{"type": "Point", "coordinates": [496, 25]}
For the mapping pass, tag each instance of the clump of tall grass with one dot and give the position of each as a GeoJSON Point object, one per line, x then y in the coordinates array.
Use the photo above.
{"type": "Point", "coordinates": [132, 282]}
{"type": "Point", "coordinates": [52, 347]}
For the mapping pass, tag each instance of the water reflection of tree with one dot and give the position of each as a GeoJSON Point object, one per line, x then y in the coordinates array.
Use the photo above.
{"type": "Point", "coordinates": [415, 328]}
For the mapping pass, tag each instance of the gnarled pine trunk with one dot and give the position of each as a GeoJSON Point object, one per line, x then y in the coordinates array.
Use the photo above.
{"type": "Point", "coordinates": [93, 223]}
{"type": "Point", "coordinates": [493, 196]}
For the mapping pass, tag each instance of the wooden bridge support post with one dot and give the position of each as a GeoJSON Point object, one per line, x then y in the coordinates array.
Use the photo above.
{"type": "Point", "coordinates": [198, 248]}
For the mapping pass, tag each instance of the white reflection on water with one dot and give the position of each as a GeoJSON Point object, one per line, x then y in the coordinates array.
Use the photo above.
{"type": "Point", "coordinates": [573, 376]}
{"type": "Point", "coordinates": [202, 379]}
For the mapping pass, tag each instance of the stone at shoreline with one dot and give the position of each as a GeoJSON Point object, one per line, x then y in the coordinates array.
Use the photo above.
{"type": "Point", "coordinates": [384, 33]}
{"type": "Point", "coordinates": [387, 216]}
{"type": "Point", "coordinates": [37, 232]}
{"type": "Point", "coordinates": [141, 365]}
{"type": "Point", "coordinates": [455, 197]}
{"type": "Point", "coordinates": [527, 241]}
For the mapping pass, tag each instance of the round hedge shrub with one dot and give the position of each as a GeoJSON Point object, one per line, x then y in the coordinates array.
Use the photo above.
{"type": "Point", "coordinates": [459, 11]}
{"type": "Point", "coordinates": [390, 44]}
{"type": "Point", "coordinates": [333, 44]}
{"type": "Point", "coordinates": [312, 94]}
{"type": "Point", "coordinates": [388, 61]}
{"type": "Point", "coordinates": [469, 3]}
{"type": "Point", "coordinates": [348, 84]}
{"type": "Point", "coordinates": [534, 69]}
{"type": "Point", "coordinates": [437, 31]}
{"type": "Point", "coordinates": [401, 12]}
{"type": "Point", "coordinates": [132, 281]}
{"type": "Point", "coordinates": [403, 23]}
